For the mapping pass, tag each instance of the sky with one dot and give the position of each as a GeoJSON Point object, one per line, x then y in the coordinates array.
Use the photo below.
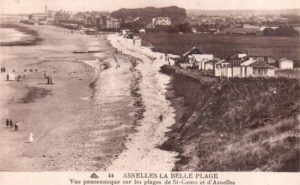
{"type": "Point", "coordinates": [38, 6]}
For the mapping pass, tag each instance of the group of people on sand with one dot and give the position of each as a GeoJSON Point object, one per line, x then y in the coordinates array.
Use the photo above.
{"type": "Point", "coordinates": [12, 76]}
{"type": "Point", "coordinates": [10, 124]}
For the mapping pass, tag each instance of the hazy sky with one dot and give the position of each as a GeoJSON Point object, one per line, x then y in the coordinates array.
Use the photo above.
{"type": "Point", "coordinates": [28, 6]}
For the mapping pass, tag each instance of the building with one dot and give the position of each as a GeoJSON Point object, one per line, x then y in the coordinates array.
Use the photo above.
{"type": "Point", "coordinates": [112, 23]}
{"type": "Point", "coordinates": [161, 21]}
{"type": "Point", "coordinates": [223, 69]}
{"type": "Point", "coordinates": [264, 54]}
{"type": "Point", "coordinates": [192, 51]}
{"type": "Point", "coordinates": [285, 64]}
{"type": "Point", "coordinates": [209, 65]}
{"type": "Point", "coordinates": [101, 22]}
{"type": "Point", "coordinates": [249, 68]}
{"type": "Point", "coordinates": [200, 60]}
{"type": "Point", "coordinates": [257, 68]}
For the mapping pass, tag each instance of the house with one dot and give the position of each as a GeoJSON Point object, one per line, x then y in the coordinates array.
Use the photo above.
{"type": "Point", "coordinates": [264, 54]}
{"type": "Point", "coordinates": [112, 23]}
{"type": "Point", "coordinates": [237, 55]}
{"type": "Point", "coordinates": [161, 21]}
{"type": "Point", "coordinates": [249, 68]}
{"type": "Point", "coordinates": [200, 59]}
{"type": "Point", "coordinates": [231, 67]}
{"type": "Point", "coordinates": [285, 64]}
{"type": "Point", "coordinates": [209, 65]}
{"type": "Point", "coordinates": [257, 68]}
{"type": "Point", "coordinates": [223, 69]}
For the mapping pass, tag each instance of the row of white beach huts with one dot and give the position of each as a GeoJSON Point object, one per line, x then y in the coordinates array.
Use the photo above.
{"type": "Point", "coordinates": [250, 63]}
{"type": "Point", "coordinates": [253, 63]}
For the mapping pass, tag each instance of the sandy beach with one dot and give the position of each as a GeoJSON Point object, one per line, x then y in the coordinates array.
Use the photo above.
{"type": "Point", "coordinates": [96, 115]}
{"type": "Point", "coordinates": [75, 127]}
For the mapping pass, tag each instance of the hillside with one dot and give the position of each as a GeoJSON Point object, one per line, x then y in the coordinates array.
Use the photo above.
{"type": "Point", "coordinates": [177, 15]}
{"type": "Point", "coordinates": [240, 125]}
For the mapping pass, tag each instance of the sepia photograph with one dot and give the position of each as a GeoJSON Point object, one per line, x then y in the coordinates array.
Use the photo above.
{"type": "Point", "coordinates": [150, 86]}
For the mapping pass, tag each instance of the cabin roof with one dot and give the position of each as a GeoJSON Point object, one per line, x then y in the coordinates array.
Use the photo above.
{"type": "Point", "coordinates": [261, 64]}
{"type": "Point", "coordinates": [194, 50]}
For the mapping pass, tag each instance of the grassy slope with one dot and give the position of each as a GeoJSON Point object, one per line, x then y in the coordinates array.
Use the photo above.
{"type": "Point", "coordinates": [241, 125]}
{"type": "Point", "coordinates": [223, 45]}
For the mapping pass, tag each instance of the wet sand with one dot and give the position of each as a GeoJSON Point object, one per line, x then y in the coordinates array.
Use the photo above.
{"type": "Point", "coordinates": [96, 116]}
{"type": "Point", "coordinates": [75, 127]}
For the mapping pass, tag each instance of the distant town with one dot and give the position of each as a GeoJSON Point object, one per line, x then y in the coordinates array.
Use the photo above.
{"type": "Point", "coordinates": [171, 19]}
{"type": "Point", "coordinates": [134, 23]}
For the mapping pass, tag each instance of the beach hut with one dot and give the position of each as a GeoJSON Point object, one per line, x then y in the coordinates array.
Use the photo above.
{"type": "Point", "coordinates": [223, 69]}
{"type": "Point", "coordinates": [192, 51]}
{"type": "Point", "coordinates": [257, 68]}
{"type": "Point", "coordinates": [285, 64]}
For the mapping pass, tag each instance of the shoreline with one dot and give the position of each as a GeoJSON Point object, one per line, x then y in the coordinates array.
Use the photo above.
{"type": "Point", "coordinates": [144, 144]}
{"type": "Point", "coordinates": [31, 36]}
{"type": "Point", "coordinates": [61, 118]}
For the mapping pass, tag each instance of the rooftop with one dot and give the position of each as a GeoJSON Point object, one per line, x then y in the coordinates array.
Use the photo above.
{"type": "Point", "coordinates": [194, 50]}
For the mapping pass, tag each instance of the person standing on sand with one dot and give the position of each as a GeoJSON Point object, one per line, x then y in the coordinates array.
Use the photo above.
{"type": "Point", "coordinates": [16, 126]}
{"type": "Point", "coordinates": [7, 122]}
{"type": "Point", "coordinates": [11, 123]}
{"type": "Point", "coordinates": [161, 118]}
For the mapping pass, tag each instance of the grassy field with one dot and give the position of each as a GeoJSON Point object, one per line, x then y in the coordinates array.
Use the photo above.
{"type": "Point", "coordinates": [223, 45]}
{"type": "Point", "coordinates": [240, 125]}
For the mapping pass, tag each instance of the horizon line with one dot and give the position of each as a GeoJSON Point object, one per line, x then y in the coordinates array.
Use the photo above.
{"type": "Point", "coordinates": [159, 7]}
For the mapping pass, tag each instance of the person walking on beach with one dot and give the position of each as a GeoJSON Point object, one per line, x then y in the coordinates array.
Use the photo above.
{"type": "Point", "coordinates": [49, 80]}
{"type": "Point", "coordinates": [7, 122]}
